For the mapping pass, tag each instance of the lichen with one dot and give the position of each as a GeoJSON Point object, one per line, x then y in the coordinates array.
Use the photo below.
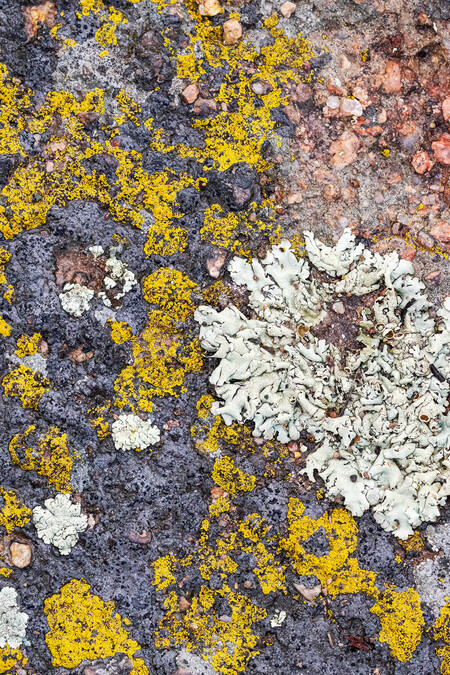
{"type": "Point", "coordinates": [13, 513]}
{"type": "Point", "coordinates": [129, 431]}
{"type": "Point", "coordinates": [60, 522]}
{"type": "Point", "coordinates": [402, 621]}
{"type": "Point", "coordinates": [49, 455]}
{"type": "Point", "coordinates": [83, 626]}
{"type": "Point", "coordinates": [28, 386]}
{"type": "Point", "coordinates": [378, 410]}
{"type": "Point", "coordinates": [13, 622]}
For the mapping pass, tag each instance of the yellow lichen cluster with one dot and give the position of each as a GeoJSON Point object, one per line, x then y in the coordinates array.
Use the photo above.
{"type": "Point", "coordinates": [222, 229]}
{"type": "Point", "coordinates": [27, 385]}
{"type": "Point", "coordinates": [10, 658]}
{"type": "Point", "coordinates": [9, 290]}
{"type": "Point", "coordinates": [49, 455]}
{"type": "Point", "coordinates": [163, 354]}
{"type": "Point", "coordinates": [244, 122]}
{"type": "Point", "coordinates": [227, 644]}
{"type": "Point", "coordinates": [27, 344]}
{"type": "Point", "coordinates": [440, 631]}
{"type": "Point", "coordinates": [401, 620]}
{"type": "Point", "coordinates": [83, 626]}
{"type": "Point", "coordinates": [60, 175]}
{"type": "Point", "coordinates": [13, 513]}
{"type": "Point", "coordinates": [5, 328]}
{"type": "Point", "coordinates": [230, 478]}
{"type": "Point", "coordinates": [337, 571]}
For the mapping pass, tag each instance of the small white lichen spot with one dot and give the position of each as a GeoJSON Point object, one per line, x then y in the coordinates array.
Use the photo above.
{"type": "Point", "coordinates": [60, 522]}
{"type": "Point", "coordinates": [278, 618]}
{"type": "Point", "coordinates": [96, 251]}
{"type": "Point", "coordinates": [75, 299]}
{"type": "Point", "coordinates": [359, 362]}
{"type": "Point", "coordinates": [130, 432]}
{"type": "Point", "coordinates": [13, 622]}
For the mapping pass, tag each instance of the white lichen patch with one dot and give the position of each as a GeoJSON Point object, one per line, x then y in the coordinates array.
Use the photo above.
{"type": "Point", "coordinates": [130, 432]}
{"type": "Point", "coordinates": [118, 281]}
{"type": "Point", "coordinates": [378, 411]}
{"type": "Point", "coordinates": [60, 522]}
{"type": "Point", "coordinates": [13, 622]}
{"type": "Point", "coordinates": [75, 299]}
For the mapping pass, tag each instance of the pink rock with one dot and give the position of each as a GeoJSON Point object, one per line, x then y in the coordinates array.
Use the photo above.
{"type": "Point", "coordinates": [190, 94]}
{"type": "Point", "coordinates": [446, 109]}
{"type": "Point", "coordinates": [441, 232]}
{"type": "Point", "coordinates": [441, 149]}
{"type": "Point", "coordinates": [288, 8]}
{"type": "Point", "coordinates": [232, 32]}
{"type": "Point", "coordinates": [422, 162]}
{"type": "Point", "coordinates": [344, 150]}
{"type": "Point", "coordinates": [351, 106]}
{"type": "Point", "coordinates": [392, 81]}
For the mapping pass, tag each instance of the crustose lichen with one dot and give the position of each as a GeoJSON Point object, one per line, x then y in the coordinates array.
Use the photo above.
{"type": "Point", "coordinates": [374, 394]}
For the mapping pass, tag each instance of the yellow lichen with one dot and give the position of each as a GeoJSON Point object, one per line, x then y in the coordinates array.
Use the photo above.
{"type": "Point", "coordinates": [27, 344]}
{"type": "Point", "coordinates": [227, 645]}
{"type": "Point", "coordinates": [27, 385]}
{"type": "Point", "coordinates": [49, 455]}
{"type": "Point", "coordinates": [14, 513]}
{"type": "Point", "coordinates": [163, 572]}
{"type": "Point", "coordinates": [230, 478]}
{"type": "Point", "coordinates": [83, 626]}
{"type": "Point", "coordinates": [414, 542]}
{"type": "Point", "coordinates": [336, 571]}
{"type": "Point", "coordinates": [219, 505]}
{"type": "Point", "coordinates": [162, 354]}
{"type": "Point", "coordinates": [401, 620]}
{"type": "Point", "coordinates": [121, 332]}
{"type": "Point", "coordinates": [5, 328]}
{"type": "Point", "coordinates": [98, 421]}
{"type": "Point", "coordinates": [10, 658]}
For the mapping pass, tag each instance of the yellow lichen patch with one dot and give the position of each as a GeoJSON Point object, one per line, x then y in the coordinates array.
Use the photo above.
{"type": "Point", "coordinates": [440, 630]}
{"type": "Point", "coordinates": [130, 109]}
{"type": "Point", "coordinates": [14, 105]}
{"type": "Point", "coordinates": [230, 478]}
{"type": "Point", "coordinates": [5, 328]}
{"type": "Point", "coordinates": [414, 542]}
{"type": "Point", "coordinates": [14, 513]}
{"type": "Point", "coordinates": [172, 292]}
{"type": "Point", "coordinates": [336, 571]}
{"type": "Point", "coordinates": [10, 658]}
{"type": "Point", "coordinates": [219, 505]}
{"type": "Point", "coordinates": [401, 620]}
{"type": "Point", "coordinates": [120, 331]}
{"type": "Point", "coordinates": [227, 645]}
{"type": "Point", "coordinates": [98, 421]}
{"type": "Point", "coordinates": [163, 572]}
{"type": "Point", "coordinates": [27, 385]}
{"type": "Point", "coordinates": [222, 229]}
{"type": "Point", "coordinates": [5, 572]}
{"type": "Point", "coordinates": [83, 626]}
{"type": "Point", "coordinates": [106, 34]}
{"type": "Point", "coordinates": [49, 455]}
{"type": "Point", "coordinates": [244, 121]}
{"type": "Point", "coordinates": [204, 404]}
{"type": "Point", "coordinates": [27, 344]}
{"type": "Point", "coordinates": [162, 355]}
{"type": "Point", "coordinates": [161, 362]}
{"type": "Point", "coordinates": [9, 289]}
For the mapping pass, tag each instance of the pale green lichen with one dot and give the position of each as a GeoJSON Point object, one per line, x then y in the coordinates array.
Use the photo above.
{"type": "Point", "coordinates": [13, 623]}
{"type": "Point", "coordinates": [378, 412]}
{"type": "Point", "coordinates": [60, 522]}
{"type": "Point", "coordinates": [130, 432]}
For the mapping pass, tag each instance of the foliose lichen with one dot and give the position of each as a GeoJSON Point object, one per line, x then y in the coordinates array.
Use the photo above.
{"type": "Point", "coordinates": [130, 432]}
{"type": "Point", "coordinates": [377, 409]}
{"type": "Point", "coordinates": [13, 622]}
{"type": "Point", "coordinates": [60, 522]}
